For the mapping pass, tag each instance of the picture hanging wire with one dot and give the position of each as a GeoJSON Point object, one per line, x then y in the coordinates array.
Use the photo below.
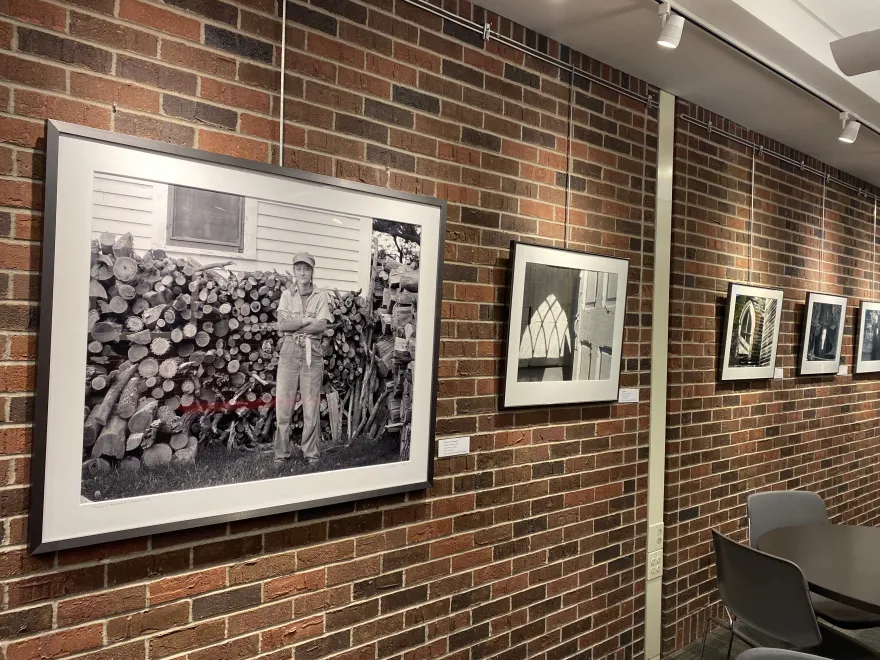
{"type": "Point", "coordinates": [568, 162]}
{"type": "Point", "coordinates": [281, 102]}
{"type": "Point", "coordinates": [752, 217]}
{"type": "Point", "coordinates": [822, 238]}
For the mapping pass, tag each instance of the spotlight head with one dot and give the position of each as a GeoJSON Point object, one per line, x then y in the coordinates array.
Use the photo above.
{"type": "Point", "coordinates": [850, 128]}
{"type": "Point", "coordinates": [673, 24]}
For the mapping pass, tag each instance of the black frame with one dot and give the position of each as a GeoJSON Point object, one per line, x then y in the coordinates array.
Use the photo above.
{"type": "Point", "coordinates": [722, 354]}
{"type": "Point", "coordinates": [511, 267]}
{"type": "Point", "coordinates": [54, 131]}
{"type": "Point", "coordinates": [805, 329]}
{"type": "Point", "coordinates": [857, 340]}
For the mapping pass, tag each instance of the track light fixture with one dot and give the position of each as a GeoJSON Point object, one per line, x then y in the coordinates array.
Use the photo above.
{"type": "Point", "coordinates": [673, 24]}
{"type": "Point", "coordinates": [850, 128]}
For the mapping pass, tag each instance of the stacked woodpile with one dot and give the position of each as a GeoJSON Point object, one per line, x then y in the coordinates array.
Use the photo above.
{"type": "Point", "coordinates": [182, 354]}
{"type": "Point", "coordinates": [389, 384]}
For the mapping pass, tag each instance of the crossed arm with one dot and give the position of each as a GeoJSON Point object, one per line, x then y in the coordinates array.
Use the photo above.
{"type": "Point", "coordinates": [315, 327]}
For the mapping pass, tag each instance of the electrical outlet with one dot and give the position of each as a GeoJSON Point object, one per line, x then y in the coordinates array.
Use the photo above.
{"type": "Point", "coordinates": [655, 565]}
{"type": "Point", "coordinates": [655, 537]}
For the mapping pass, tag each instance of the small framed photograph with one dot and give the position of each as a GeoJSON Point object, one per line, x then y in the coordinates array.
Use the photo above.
{"type": "Point", "coordinates": [868, 339]}
{"type": "Point", "coordinates": [565, 328]}
{"type": "Point", "coordinates": [751, 332]}
{"type": "Point", "coordinates": [824, 319]}
{"type": "Point", "coordinates": [222, 339]}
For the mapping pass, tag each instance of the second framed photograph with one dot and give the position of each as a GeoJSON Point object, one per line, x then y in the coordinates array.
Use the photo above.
{"type": "Point", "coordinates": [824, 318]}
{"type": "Point", "coordinates": [751, 332]}
{"type": "Point", "coordinates": [868, 340]}
{"type": "Point", "coordinates": [565, 326]}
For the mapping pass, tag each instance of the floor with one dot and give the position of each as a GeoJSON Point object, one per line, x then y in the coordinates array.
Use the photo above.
{"type": "Point", "coordinates": [716, 645]}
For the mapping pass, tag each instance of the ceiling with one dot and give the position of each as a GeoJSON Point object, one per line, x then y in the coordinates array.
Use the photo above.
{"type": "Point", "coordinates": [791, 35]}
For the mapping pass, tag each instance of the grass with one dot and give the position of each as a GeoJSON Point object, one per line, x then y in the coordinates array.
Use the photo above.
{"type": "Point", "coordinates": [214, 466]}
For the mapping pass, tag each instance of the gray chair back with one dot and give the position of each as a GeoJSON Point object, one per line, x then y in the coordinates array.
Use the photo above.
{"type": "Point", "coordinates": [776, 654]}
{"type": "Point", "coordinates": [783, 508]}
{"type": "Point", "coordinates": [766, 593]}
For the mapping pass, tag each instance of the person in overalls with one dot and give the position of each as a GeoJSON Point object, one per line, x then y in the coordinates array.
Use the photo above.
{"type": "Point", "coordinates": [303, 316]}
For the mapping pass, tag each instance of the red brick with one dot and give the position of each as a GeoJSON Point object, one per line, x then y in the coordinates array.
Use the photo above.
{"type": "Point", "coordinates": [32, 73]}
{"type": "Point", "coordinates": [177, 641]}
{"type": "Point", "coordinates": [114, 35]}
{"type": "Point", "coordinates": [43, 106]}
{"type": "Point", "coordinates": [101, 605]}
{"type": "Point", "coordinates": [141, 13]}
{"type": "Point", "coordinates": [186, 586]}
{"type": "Point", "coordinates": [126, 95]}
{"type": "Point", "coordinates": [242, 648]}
{"type": "Point", "coordinates": [268, 129]}
{"type": "Point", "coordinates": [40, 13]}
{"type": "Point", "coordinates": [199, 59]}
{"type": "Point", "coordinates": [232, 145]}
{"type": "Point", "coordinates": [358, 80]}
{"type": "Point", "coordinates": [292, 585]}
{"type": "Point", "coordinates": [57, 644]}
{"type": "Point", "coordinates": [155, 619]}
{"type": "Point", "coordinates": [235, 95]}
{"type": "Point", "coordinates": [335, 50]}
{"type": "Point", "coordinates": [291, 633]}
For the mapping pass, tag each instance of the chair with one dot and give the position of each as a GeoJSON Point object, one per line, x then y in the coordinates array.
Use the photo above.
{"type": "Point", "coordinates": [768, 602]}
{"type": "Point", "coordinates": [775, 654]}
{"type": "Point", "coordinates": [787, 508]}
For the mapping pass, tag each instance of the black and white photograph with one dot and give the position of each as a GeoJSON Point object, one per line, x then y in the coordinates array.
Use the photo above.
{"type": "Point", "coordinates": [244, 333]}
{"type": "Point", "coordinates": [822, 338]}
{"type": "Point", "coordinates": [868, 338]}
{"type": "Point", "coordinates": [566, 326]}
{"type": "Point", "coordinates": [751, 332]}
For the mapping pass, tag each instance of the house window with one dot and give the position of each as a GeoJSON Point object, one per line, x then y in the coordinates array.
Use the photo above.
{"type": "Point", "coordinates": [205, 219]}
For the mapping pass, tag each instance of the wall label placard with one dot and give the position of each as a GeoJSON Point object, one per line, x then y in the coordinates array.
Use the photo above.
{"type": "Point", "coordinates": [453, 446]}
{"type": "Point", "coordinates": [628, 395]}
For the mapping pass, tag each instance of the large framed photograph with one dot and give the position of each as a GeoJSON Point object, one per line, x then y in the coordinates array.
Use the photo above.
{"type": "Point", "coordinates": [565, 329]}
{"type": "Point", "coordinates": [222, 339]}
{"type": "Point", "coordinates": [751, 332]}
{"type": "Point", "coordinates": [868, 338]}
{"type": "Point", "coordinates": [824, 319]}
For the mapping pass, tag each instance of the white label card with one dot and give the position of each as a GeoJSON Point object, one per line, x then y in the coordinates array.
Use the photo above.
{"type": "Point", "coordinates": [628, 395]}
{"type": "Point", "coordinates": [843, 370]}
{"type": "Point", "coordinates": [454, 446]}
{"type": "Point", "coordinates": [778, 373]}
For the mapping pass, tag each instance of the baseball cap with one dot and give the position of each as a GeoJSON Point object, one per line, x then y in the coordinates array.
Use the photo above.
{"type": "Point", "coordinates": [304, 258]}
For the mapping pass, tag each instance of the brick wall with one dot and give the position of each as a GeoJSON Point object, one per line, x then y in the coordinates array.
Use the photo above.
{"type": "Point", "coordinates": [726, 440]}
{"type": "Point", "coordinates": [533, 545]}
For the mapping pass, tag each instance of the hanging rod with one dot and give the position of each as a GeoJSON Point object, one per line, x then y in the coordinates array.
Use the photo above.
{"type": "Point", "coordinates": [486, 31]}
{"type": "Point", "coordinates": [761, 149]}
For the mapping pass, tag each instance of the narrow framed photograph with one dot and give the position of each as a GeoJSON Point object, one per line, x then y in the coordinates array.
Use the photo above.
{"type": "Point", "coordinates": [565, 326]}
{"type": "Point", "coordinates": [824, 320]}
{"type": "Point", "coordinates": [222, 339]}
{"type": "Point", "coordinates": [751, 332]}
{"type": "Point", "coordinates": [868, 338]}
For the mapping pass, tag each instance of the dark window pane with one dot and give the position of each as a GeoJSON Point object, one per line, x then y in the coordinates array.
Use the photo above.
{"type": "Point", "coordinates": [205, 217]}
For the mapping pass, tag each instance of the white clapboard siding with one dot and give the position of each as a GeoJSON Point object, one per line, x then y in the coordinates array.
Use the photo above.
{"type": "Point", "coordinates": [122, 205]}
{"type": "Point", "coordinates": [340, 244]}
